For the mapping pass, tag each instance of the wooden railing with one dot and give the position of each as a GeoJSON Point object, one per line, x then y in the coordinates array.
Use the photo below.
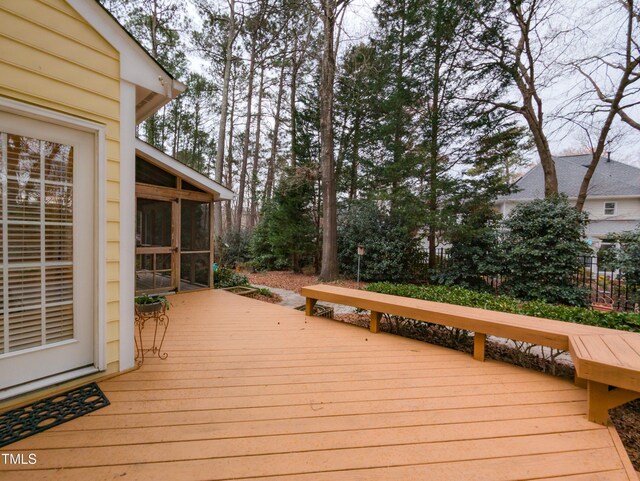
{"type": "Point", "coordinates": [608, 361]}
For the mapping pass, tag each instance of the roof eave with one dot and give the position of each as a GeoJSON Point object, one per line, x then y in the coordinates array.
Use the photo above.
{"type": "Point", "coordinates": [168, 163]}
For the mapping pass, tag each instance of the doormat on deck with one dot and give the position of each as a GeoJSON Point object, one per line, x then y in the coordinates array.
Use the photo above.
{"type": "Point", "coordinates": [28, 420]}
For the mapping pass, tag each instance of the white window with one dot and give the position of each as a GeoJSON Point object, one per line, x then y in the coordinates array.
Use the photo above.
{"type": "Point", "coordinates": [609, 208]}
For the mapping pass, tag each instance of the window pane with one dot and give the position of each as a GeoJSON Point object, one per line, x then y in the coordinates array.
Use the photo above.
{"type": "Point", "coordinates": [153, 271]}
{"type": "Point", "coordinates": [194, 270]}
{"type": "Point", "coordinates": [37, 230]}
{"type": "Point", "coordinates": [194, 233]}
{"type": "Point", "coordinates": [150, 174]}
{"type": "Point", "coordinates": [153, 219]}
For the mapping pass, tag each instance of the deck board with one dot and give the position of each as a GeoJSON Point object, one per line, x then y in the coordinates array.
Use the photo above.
{"type": "Point", "coordinates": [256, 391]}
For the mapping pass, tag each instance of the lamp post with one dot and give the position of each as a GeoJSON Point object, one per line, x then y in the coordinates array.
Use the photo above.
{"type": "Point", "coordinates": [360, 254]}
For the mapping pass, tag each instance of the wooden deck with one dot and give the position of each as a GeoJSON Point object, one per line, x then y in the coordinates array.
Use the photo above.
{"type": "Point", "coordinates": [256, 391]}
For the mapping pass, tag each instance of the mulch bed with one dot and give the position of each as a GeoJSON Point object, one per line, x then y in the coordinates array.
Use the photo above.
{"type": "Point", "coordinates": [294, 282]}
{"type": "Point", "coordinates": [625, 418]}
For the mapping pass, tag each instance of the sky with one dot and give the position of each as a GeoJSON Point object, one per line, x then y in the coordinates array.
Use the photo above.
{"type": "Point", "coordinates": [360, 22]}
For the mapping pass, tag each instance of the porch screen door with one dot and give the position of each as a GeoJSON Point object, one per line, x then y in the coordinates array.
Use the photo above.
{"type": "Point", "coordinates": [46, 250]}
{"type": "Point", "coordinates": [155, 246]}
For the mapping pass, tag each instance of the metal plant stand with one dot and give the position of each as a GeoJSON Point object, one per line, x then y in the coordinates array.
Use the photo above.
{"type": "Point", "coordinates": [155, 314]}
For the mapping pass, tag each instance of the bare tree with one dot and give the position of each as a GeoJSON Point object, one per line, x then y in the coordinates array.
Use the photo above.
{"type": "Point", "coordinates": [331, 13]}
{"type": "Point", "coordinates": [520, 52]}
{"type": "Point", "coordinates": [610, 75]}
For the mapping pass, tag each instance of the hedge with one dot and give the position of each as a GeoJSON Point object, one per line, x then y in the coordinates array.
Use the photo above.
{"type": "Point", "coordinates": [624, 321]}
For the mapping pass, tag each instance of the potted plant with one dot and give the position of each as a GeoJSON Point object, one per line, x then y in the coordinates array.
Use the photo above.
{"type": "Point", "coordinates": [147, 303]}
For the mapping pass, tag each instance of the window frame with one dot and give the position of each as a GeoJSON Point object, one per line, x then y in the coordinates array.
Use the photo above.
{"type": "Point", "coordinates": [614, 208]}
{"type": "Point", "coordinates": [98, 131]}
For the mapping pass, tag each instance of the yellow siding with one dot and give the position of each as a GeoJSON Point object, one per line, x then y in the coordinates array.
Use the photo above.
{"type": "Point", "coordinates": [53, 58]}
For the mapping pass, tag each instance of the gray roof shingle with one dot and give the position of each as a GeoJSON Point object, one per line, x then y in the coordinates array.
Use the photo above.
{"type": "Point", "coordinates": [610, 178]}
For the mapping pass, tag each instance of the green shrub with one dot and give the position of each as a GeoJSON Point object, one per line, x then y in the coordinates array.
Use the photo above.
{"type": "Point", "coordinates": [624, 321]}
{"type": "Point", "coordinates": [626, 257]}
{"type": "Point", "coordinates": [233, 247]}
{"type": "Point", "coordinates": [542, 244]}
{"type": "Point", "coordinates": [475, 248]}
{"type": "Point", "coordinates": [392, 251]}
{"type": "Point", "coordinates": [286, 238]}
{"type": "Point", "coordinates": [263, 291]}
{"type": "Point", "coordinates": [225, 277]}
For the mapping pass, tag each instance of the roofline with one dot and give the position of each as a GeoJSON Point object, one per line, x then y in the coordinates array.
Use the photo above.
{"type": "Point", "coordinates": [136, 41]}
{"type": "Point", "coordinates": [168, 163]}
{"type": "Point", "coordinates": [137, 66]}
{"type": "Point", "coordinates": [589, 197]}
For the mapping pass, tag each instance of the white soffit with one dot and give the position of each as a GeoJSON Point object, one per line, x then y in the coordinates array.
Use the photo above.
{"type": "Point", "coordinates": [168, 163]}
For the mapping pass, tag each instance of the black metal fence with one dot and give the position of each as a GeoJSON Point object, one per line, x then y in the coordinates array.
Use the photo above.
{"type": "Point", "coordinates": [606, 286]}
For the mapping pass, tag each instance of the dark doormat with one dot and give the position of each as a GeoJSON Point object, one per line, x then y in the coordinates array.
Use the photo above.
{"type": "Point", "coordinates": [28, 420]}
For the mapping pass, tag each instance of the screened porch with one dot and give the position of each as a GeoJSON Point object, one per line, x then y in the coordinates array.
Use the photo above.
{"type": "Point", "coordinates": [174, 218]}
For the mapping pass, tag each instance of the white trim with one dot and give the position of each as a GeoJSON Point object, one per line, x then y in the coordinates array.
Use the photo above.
{"type": "Point", "coordinates": [99, 132]}
{"type": "Point", "coordinates": [604, 208]}
{"type": "Point", "coordinates": [127, 222]}
{"type": "Point", "coordinates": [46, 382]}
{"type": "Point", "coordinates": [101, 251]}
{"type": "Point", "coordinates": [136, 65]}
{"type": "Point", "coordinates": [168, 163]}
{"type": "Point", "coordinates": [46, 115]}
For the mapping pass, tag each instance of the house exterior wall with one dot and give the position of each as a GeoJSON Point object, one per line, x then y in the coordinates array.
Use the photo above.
{"type": "Point", "coordinates": [51, 57]}
{"type": "Point", "coordinates": [626, 217]}
{"type": "Point", "coordinates": [626, 209]}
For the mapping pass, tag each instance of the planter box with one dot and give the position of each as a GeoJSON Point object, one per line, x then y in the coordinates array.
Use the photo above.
{"type": "Point", "coordinates": [240, 290]}
{"type": "Point", "coordinates": [153, 307]}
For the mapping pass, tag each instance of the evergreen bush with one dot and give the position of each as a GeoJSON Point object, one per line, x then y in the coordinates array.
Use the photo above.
{"type": "Point", "coordinates": [392, 251]}
{"type": "Point", "coordinates": [543, 240]}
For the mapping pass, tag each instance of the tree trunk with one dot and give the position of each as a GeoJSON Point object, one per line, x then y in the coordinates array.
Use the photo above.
{"type": "Point", "coordinates": [329, 269]}
{"type": "Point", "coordinates": [355, 158]}
{"type": "Point", "coordinates": [217, 208]}
{"type": "Point", "coordinates": [253, 211]}
{"type": "Point", "coordinates": [434, 154]}
{"type": "Point", "coordinates": [544, 151]}
{"type": "Point", "coordinates": [228, 205]}
{"type": "Point", "coordinates": [247, 131]}
{"type": "Point", "coordinates": [292, 100]}
{"type": "Point", "coordinates": [268, 188]}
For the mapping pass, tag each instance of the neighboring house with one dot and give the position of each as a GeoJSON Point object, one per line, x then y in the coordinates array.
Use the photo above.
{"type": "Point", "coordinates": [89, 213]}
{"type": "Point", "coordinates": [613, 200]}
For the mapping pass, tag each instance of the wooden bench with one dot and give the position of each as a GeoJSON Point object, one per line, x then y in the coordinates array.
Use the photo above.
{"type": "Point", "coordinates": [612, 372]}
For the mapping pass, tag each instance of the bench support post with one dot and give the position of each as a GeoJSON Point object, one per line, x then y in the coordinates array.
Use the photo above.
{"type": "Point", "coordinates": [309, 305]}
{"type": "Point", "coordinates": [374, 324]}
{"type": "Point", "coordinates": [580, 382]}
{"type": "Point", "coordinates": [479, 341]}
{"type": "Point", "coordinates": [601, 399]}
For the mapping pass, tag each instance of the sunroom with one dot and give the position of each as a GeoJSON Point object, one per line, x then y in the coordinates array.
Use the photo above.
{"type": "Point", "coordinates": [174, 219]}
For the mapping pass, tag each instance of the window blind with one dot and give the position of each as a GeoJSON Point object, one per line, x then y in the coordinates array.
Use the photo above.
{"type": "Point", "coordinates": [36, 258]}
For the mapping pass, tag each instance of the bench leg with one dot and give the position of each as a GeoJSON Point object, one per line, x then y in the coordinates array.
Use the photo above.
{"type": "Point", "coordinates": [310, 304]}
{"type": "Point", "coordinates": [580, 382]}
{"type": "Point", "coordinates": [374, 324]}
{"type": "Point", "coordinates": [598, 408]}
{"type": "Point", "coordinates": [479, 341]}
{"type": "Point", "coordinates": [601, 398]}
